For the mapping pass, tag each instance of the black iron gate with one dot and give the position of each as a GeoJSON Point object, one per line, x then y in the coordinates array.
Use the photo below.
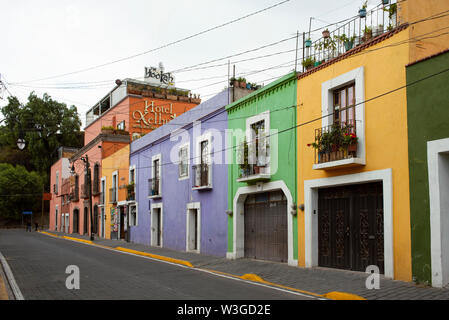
{"type": "Point", "coordinates": [266, 231]}
{"type": "Point", "coordinates": [350, 224]}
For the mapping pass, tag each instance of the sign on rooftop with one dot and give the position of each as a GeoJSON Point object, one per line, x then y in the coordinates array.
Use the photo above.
{"type": "Point", "coordinates": [157, 76]}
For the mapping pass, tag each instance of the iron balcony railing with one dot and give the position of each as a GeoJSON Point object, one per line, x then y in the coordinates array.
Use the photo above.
{"type": "Point", "coordinates": [154, 187]}
{"type": "Point", "coordinates": [201, 175]}
{"type": "Point", "coordinates": [131, 193]}
{"type": "Point", "coordinates": [254, 158]}
{"type": "Point", "coordinates": [55, 189]}
{"type": "Point", "coordinates": [74, 195]}
{"type": "Point", "coordinates": [354, 32]}
{"type": "Point", "coordinates": [335, 142]}
{"type": "Point", "coordinates": [84, 191]}
{"type": "Point", "coordinates": [112, 195]}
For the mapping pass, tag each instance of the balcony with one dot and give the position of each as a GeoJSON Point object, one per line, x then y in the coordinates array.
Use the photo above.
{"type": "Point", "coordinates": [55, 189]}
{"type": "Point", "coordinates": [336, 146]}
{"type": "Point", "coordinates": [354, 32]}
{"type": "Point", "coordinates": [74, 195]}
{"type": "Point", "coordinates": [84, 191]}
{"type": "Point", "coordinates": [201, 177]}
{"type": "Point", "coordinates": [131, 192]}
{"type": "Point", "coordinates": [254, 162]}
{"type": "Point", "coordinates": [154, 188]}
{"type": "Point", "coordinates": [112, 195]}
{"type": "Point", "coordinates": [96, 187]}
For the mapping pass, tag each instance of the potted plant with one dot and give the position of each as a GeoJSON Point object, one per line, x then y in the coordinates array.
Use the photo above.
{"type": "Point", "coordinates": [183, 96]}
{"type": "Point", "coordinates": [348, 43]}
{"type": "Point", "coordinates": [350, 142]}
{"type": "Point", "coordinates": [362, 10]}
{"type": "Point", "coordinates": [171, 94]}
{"type": "Point", "coordinates": [107, 130]}
{"type": "Point", "coordinates": [326, 34]}
{"type": "Point", "coordinates": [367, 34]}
{"type": "Point", "coordinates": [385, 2]}
{"type": "Point", "coordinates": [308, 63]}
{"type": "Point", "coordinates": [233, 82]}
{"type": "Point", "coordinates": [308, 43]}
{"type": "Point", "coordinates": [242, 82]}
{"type": "Point", "coordinates": [392, 11]}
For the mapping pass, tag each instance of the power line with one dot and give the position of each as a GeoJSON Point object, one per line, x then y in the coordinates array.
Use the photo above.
{"type": "Point", "coordinates": [163, 46]}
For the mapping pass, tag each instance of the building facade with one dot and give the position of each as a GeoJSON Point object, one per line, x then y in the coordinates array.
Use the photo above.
{"type": "Point", "coordinates": [428, 147]}
{"type": "Point", "coordinates": [353, 161]}
{"type": "Point", "coordinates": [132, 109]}
{"type": "Point", "coordinates": [181, 182]}
{"type": "Point", "coordinates": [262, 174]}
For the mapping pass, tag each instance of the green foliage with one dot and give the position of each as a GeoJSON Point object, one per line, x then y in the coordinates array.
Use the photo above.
{"type": "Point", "coordinates": [46, 124]}
{"type": "Point", "coordinates": [308, 62]}
{"type": "Point", "coordinates": [20, 190]}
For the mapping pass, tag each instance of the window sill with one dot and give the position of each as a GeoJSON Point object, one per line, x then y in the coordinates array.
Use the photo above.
{"type": "Point", "coordinates": [255, 177]}
{"type": "Point", "coordinates": [339, 164]}
{"type": "Point", "coordinates": [199, 188]}
{"type": "Point", "coordinates": [156, 196]}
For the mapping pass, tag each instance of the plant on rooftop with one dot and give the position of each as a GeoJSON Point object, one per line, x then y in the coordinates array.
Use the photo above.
{"type": "Point", "coordinates": [308, 63]}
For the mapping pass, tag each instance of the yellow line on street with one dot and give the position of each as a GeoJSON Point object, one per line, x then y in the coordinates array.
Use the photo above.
{"type": "Point", "coordinates": [155, 256]}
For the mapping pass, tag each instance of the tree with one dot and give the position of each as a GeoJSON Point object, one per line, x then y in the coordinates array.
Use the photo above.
{"type": "Point", "coordinates": [46, 124]}
{"type": "Point", "coordinates": [20, 190]}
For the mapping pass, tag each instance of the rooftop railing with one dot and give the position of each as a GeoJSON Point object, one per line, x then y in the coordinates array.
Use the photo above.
{"type": "Point", "coordinates": [350, 34]}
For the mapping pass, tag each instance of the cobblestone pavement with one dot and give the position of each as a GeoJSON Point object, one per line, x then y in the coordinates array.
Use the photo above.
{"type": "Point", "coordinates": [39, 264]}
{"type": "Point", "coordinates": [316, 280]}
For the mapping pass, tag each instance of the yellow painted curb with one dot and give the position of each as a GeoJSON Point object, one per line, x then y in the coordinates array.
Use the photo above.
{"type": "Point", "coordinates": [76, 239]}
{"type": "Point", "coordinates": [336, 295]}
{"type": "Point", "coordinates": [3, 292]}
{"type": "Point", "coordinates": [49, 234]}
{"type": "Point", "coordinates": [155, 256]}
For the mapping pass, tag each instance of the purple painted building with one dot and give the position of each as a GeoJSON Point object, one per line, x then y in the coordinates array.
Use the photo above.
{"type": "Point", "coordinates": [181, 181]}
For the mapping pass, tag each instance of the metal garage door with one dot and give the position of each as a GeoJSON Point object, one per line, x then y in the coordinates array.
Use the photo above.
{"type": "Point", "coordinates": [266, 226]}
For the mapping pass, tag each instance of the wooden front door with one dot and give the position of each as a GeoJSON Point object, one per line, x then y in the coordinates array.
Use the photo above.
{"type": "Point", "coordinates": [350, 227]}
{"type": "Point", "coordinates": [266, 233]}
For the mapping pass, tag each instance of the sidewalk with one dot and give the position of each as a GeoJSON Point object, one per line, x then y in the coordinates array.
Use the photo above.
{"type": "Point", "coordinates": [320, 281]}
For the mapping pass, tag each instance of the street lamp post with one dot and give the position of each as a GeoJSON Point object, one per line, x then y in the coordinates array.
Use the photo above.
{"type": "Point", "coordinates": [88, 178]}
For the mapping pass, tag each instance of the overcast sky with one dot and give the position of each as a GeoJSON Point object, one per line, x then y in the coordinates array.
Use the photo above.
{"type": "Point", "coordinates": [47, 38]}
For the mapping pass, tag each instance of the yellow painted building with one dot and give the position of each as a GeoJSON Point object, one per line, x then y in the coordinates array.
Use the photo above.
{"type": "Point", "coordinates": [119, 194]}
{"type": "Point", "coordinates": [354, 205]}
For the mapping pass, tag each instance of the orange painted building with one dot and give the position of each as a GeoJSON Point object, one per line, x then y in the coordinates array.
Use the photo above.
{"type": "Point", "coordinates": [130, 110]}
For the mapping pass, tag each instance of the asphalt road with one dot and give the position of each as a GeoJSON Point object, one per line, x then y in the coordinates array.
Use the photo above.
{"type": "Point", "coordinates": [39, 262]}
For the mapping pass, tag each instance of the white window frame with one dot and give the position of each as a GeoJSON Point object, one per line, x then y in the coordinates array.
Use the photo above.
{"type": "Point", "coordinates": [115, 173]}
{"type": "Point", "coordinates": [154, 158]}
{"type": "Point", "coordinates": [184, 146]}
{"type": "Point", "coordinates": [56, 217]}
{"type": "Point", "coordinates": [136, 222]}
{"type": "Point", "coordinates": [131, 168]}
{"type": "Point", "coordinates": [438, 172]}
{"type": "Point", "coordinates": [197, 160]}
{"type": "Point", "coordinates": [193, 206]}
{"type": "Point", "coordinates": [356, 76]}
{"type": "Point", "coordinates": [57, 182]}
{"type": "Point", "coordinates": [103, 179]}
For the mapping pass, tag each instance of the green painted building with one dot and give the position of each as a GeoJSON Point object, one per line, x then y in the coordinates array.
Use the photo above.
{"type": "Point", "coordinates": [428, 135]}
{"type": "Point", "coordinates": [262, 205]}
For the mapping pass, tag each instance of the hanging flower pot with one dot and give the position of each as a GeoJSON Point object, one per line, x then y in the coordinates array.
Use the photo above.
{"type": "Point", "coordinates": [308, 43]}
{"type": "Point", "coordinates": [385, 2]}
{"type": "Point", "coordinates": [326, 34]}
{"type": "Point", "coordinates": [362, 13]}
{"type": "Point", "coordinates": [348, 45]}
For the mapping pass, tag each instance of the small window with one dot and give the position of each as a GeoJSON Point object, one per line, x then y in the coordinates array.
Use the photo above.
{"type": "Point", "coordinates": [344, 105]}
{"type": "Point", "coordinates": [183, 162]}
{"type": "Point", "coordinates": [121, 125]}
